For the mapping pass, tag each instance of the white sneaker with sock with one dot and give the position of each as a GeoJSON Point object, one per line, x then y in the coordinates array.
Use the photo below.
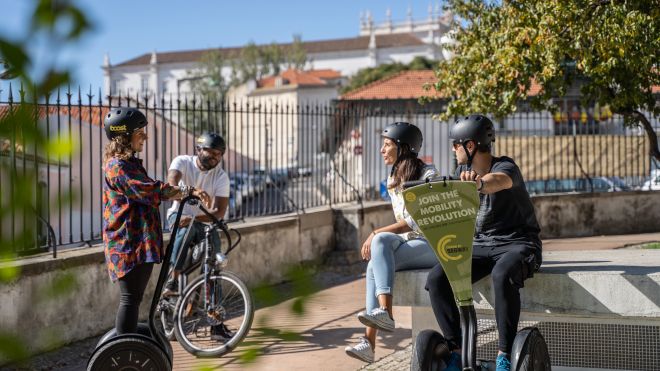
{"type": "Point", "coordinates": [378, 318]}
{"type": "Point", "coordinates": [362, 351]}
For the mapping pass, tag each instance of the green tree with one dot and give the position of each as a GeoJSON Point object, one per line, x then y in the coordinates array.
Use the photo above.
{"type": "Point", "coordinates": [55, 24]}
{"type": "Point", "coordinates": [295, 54]}
{"type": "Point", "coordinates": [252, 62]}
{"type": "Point", "coordinates": [608, 48]}
{"type": "Point", "coordinates": [209, 80]}
{"type": "Point", "coordinates": [368, 75]}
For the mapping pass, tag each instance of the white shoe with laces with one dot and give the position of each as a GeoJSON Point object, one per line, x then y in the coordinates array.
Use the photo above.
{"type": "Point", "coordinates": [362, 351]}
{"type": "Point", "coordinates": [378, 319]}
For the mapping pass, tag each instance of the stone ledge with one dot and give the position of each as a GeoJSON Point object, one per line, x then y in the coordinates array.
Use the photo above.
{"type": "Point", "coordinates": [619, 283]}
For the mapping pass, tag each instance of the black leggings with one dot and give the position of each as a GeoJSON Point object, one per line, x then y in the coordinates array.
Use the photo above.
{"type": "Point", "coordinates": [509, 266]}
{"type": "Point", "coordinates": [131, 288]}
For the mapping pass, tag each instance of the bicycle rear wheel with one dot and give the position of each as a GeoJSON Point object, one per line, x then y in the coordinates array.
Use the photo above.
{"type": "Point", "coordinates": [223, 300]}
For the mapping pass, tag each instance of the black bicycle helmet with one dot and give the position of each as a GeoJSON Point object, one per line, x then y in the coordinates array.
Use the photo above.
{"type": "Point", "coordinates": [477, 128]}
{"type": "Point", "coordinates": [211, 140]}
{"type": "Point", "coordinates": [404, 133]}
{"type": "Point", "coordinates": [123, 121]}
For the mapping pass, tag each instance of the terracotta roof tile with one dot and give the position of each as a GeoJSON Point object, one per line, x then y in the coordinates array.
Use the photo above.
{"type": "Point", "coordinates": [76, 113]}
{"type": "Point", "coordinates": [355, 43]}
{"type": "Point", "coordinates": [300, 78]}
{"type": "Point", "coordinates": [326, 74]}
{"type": "Point", "coordinates": [404, 85]}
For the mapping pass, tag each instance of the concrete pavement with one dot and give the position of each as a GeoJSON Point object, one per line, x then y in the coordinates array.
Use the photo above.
{"type": "Point", "coordinates": [326, 327]}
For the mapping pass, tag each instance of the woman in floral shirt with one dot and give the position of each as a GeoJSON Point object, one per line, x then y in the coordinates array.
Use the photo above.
{"type": "Point", "coordinates": [132, 232]}
{"type": "Point", "coordinates": [397, 246]}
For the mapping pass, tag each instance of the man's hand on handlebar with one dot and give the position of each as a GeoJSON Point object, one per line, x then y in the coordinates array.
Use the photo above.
{"type": "Point", "coordinates": [471, 176]}
{"type": "Point", "coordinates": [184, 221]}
{"type": "Point", "coordinates": [203, 196]}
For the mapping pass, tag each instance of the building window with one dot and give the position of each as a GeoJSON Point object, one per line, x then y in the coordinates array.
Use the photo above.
{"type": "Point", "coordinates": [163, 87]}
{"type": "Point", "coordinates": [144, 86]}
{"type": "Point", "coordinates": [114, 87]}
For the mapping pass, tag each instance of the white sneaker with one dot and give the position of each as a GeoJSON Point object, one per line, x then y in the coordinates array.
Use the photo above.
{"type": "Point", "coordinates": [378, 319]}
{"type": "Point", "coordinates": [363, 351]}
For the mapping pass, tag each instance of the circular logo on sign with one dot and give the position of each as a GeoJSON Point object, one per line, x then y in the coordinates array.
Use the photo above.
{"type": "Point", "coordinates": [450, 252]}
{"type": "Point", "coordinates": [410, 197]}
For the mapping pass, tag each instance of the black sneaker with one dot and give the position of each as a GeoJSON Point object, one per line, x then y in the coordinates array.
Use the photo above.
{"type": "Point", "coordinates": [221, 333]}
{"type": "Point", "coordinates": [171, 288]}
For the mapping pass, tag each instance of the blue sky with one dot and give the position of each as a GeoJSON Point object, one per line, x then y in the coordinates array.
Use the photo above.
{"type": "Point", "coordinates": [126, 29]}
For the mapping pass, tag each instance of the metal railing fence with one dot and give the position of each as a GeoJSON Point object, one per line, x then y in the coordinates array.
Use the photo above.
{"type": "Point", "coordinates": [285, 157]}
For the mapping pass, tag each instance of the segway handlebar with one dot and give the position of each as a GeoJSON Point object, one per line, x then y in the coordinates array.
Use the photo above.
{"type": "Point", "coordinates": [164, 272]}
{"type": "Point", "coordinates": [413, 183]}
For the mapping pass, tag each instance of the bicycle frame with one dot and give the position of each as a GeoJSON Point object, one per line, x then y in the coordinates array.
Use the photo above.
{"type": "Point", "coordinates": [213, 263]}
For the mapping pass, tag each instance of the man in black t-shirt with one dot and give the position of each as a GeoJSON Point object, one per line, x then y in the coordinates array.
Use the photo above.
{"type": "Point", "coordinates": [506, 240]}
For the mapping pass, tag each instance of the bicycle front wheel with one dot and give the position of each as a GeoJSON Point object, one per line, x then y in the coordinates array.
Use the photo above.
{"type": "Point", "coordinates": [213, 316]}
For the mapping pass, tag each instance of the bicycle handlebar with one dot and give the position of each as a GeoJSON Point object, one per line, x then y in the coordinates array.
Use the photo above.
{"type": "Point", "coordinates": [413, 183]}
{"type": "Point", "coordinates": [218, 223]}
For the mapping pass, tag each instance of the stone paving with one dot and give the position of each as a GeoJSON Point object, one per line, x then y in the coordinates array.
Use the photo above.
{"type": "Point", "coordinates": [397, 361]}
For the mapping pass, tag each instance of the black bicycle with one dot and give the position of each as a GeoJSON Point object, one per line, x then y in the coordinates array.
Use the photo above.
{"type": "Point", "coordinates": [213, 313]}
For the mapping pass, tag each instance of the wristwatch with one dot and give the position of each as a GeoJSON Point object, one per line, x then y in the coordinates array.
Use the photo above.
{"type": "Point", "coordinates": [481, 186]}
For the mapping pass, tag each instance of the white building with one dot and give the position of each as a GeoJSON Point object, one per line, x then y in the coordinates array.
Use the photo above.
{"type": "Point", "coordinates": [282, 131]}
{"type": "Point", "coordinates": [166, 73]}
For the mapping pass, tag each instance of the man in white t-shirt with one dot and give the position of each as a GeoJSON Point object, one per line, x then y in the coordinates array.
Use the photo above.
{"type": "Point", "coordinates": [202, 172]}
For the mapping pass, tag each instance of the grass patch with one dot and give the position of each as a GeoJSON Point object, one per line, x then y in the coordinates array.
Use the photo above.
{"type": "Point", "coordinates": [652, 245]}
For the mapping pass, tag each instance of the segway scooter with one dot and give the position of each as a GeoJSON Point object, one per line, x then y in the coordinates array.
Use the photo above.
{"type": "Point", "coordinates": [445, 211]}
{"type": "Point", "coordinates": [148, 349]}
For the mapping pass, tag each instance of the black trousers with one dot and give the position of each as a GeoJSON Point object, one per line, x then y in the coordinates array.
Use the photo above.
{"type": "Point", "coordinates": [508, 266]}
{"type": "Point", "coordinates": [131, 288]}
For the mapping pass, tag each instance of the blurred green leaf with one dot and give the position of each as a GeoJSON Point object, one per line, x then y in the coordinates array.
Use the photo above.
{"type": "Point", "coordinates": [206, 367]}
{"type": "Point", "coordinates": [53, 80]}
{"type": "Point", "coordinates": [12, 348]}
{"type": "Point", "coordinates": [80, 23]}
{"type": "Point", "coordinates": [62, 285]}
{"type": "Point", "coordinates": [265, 295]}
{"type": "Point", "coordinates": [46, 13]}
{"type": "Point", "coordinates": [249, 355]}
{"type": "Point", "coordinates": [59, 147]}
{"type": "Point", "coordinates": [8, 273]}
{"type": "Point", "coordinates": [14, 56]}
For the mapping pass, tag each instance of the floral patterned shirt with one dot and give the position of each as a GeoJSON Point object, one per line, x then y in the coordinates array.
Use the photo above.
{"type": "Point", "coordinates": [132, 232]}
{"type": "Point", "coordinates": [399, 206]}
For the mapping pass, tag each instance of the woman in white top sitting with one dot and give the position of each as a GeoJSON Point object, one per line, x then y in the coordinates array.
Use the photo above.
{"type": "Point", "coordinates": [397, 246]}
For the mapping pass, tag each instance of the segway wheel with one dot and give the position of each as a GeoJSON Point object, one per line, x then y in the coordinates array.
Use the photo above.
{"type": "Point", "coordinates": [530, 351]}
{"type": "Point", "coordinates": [142, 329]}
{"type": "Point", "coordinates": [430, 352]}
{"type": "Point", "coordinates": [129, 352]}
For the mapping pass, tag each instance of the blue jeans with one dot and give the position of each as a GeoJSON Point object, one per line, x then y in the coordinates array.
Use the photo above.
{"type": "Point", "coordinates": [195, 236]}
{"type": "Point", "coordinates": [389, 253]}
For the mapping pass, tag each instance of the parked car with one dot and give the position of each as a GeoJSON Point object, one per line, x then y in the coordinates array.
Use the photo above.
{"type": "Point", "coordinates": [653, 184]}
{"type": "Point", "coordinates": [242, 184]}
{"type": "Point", "coordinates": [304, 171]}
{"type": "Point", "coordinates": [235, 195]}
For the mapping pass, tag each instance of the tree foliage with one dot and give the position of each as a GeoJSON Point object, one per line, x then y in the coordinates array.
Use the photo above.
{"type": "Point", "coordinates": [252, 62]}
{"type": "Point", "coordinates": [55, 24]}
{"type": "Point", "coordinates": [368, 75]}
{"type": "Point", "coordinates": [608, 48]}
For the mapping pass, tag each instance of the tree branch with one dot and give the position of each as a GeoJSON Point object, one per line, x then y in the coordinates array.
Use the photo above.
{"type": "Point", "coordinates": [650, 133]}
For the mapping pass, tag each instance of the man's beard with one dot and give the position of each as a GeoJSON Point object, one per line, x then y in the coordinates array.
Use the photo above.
{"type": "Point", "coordinates": [208, 162]}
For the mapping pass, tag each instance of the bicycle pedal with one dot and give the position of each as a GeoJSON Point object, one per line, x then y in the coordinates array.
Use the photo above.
{"type": "Point", "coordinates": [169, 293]}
